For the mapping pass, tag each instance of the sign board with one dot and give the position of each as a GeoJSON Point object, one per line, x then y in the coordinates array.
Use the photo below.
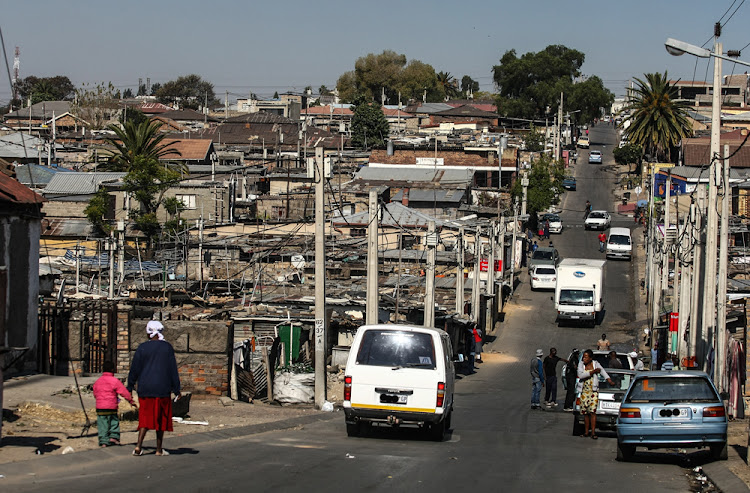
{"type": "Point", "coordinates": [498, 265]}
{"type": "Point", "coordinates": [484, 265]}
{"type": "Point", "coordinates": [429, 161]}
{"type": "Point", "coordinates": [674, 321]}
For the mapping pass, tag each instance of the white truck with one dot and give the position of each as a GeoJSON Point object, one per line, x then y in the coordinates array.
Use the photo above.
{"type": "Point", "coordinates": [579, 292]}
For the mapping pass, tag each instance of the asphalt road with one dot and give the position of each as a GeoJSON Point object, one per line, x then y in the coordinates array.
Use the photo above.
{"type": "Point", "coordinates": [497, 443]}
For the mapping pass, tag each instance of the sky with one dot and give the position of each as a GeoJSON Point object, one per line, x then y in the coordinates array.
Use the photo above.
{"type": "Point", "coordinates": [243, 46]}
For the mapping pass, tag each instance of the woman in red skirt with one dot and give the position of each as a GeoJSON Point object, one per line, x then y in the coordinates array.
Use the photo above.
{"type": "Point", "coordinates": [154, 371]}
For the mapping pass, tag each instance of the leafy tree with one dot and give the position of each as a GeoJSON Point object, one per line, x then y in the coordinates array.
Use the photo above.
{"type": "Point", "coordinates": [323, 91]}
{"type": "Point", "coordinates": [545, 184]}
{"type": "Point", "coordinates": [96, 212]}
{"type": "Point", "coordinates": [57, 88]}
{"type": "Point", "coordinates": [535, 140]}
{"type": "Point", "coordinates": [469, 85]}
{"type": "Point", "coordinates": [373, 73]}
{"type": "Point", "coordinates": [155, 88]}
{"type": "Point", "coordinates": [448, 84]}
{"type": "Point", "coordinates": [347, 87]}
{"type": "Point", "coordinates": [173, 206]}
{"type": "Point", "coordinates": [133, 115]}
{"type": "Point", "coordinates": [97, 105]}
{"type": "Point", "coordinates": [127, 93]}
{"type": "Point", "coordinates": [658, 122]}
{"type": "Point", "coordinates": [530, 86]}
{"type": "Point", "coordinates": [369, 126]}
{"type": "Point", "coordinates": [276, 95]}
{"type": "Point", "coordinates": [137, 141]}
{"type": "Point", "coordinates": [142, 90]}
{"type": "Point", "coordinates": [628, 154]}
{"type": "Point", "coordinates": [189, 91]}
{"type": "Point", "coordinates": [417, 79]}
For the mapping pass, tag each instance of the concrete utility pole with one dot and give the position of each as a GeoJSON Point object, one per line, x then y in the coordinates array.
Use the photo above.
{"type": "Point", "coordinates": [475, 284]}
{"type": "Point", "coordinates": [121, 250]}
{"type": "Point", "coordinates": [525, 185]}
{"type": "Point", "coordinates": [501, 146]}
{"type": "Point", "coordinates": [685, 284]}
{"type": "Point", "coordinates": [489, 316]}
{"type": "Point", "coordinates": [78, 265]}
{"type": "Point", "coordinates": [429, 290]}
{"type": "Point", "coordinates": [513, 247]}
{"type": "Point", "coordinates": [708, 326]}
{"type": "Point", "coordinates": [721, 318]}
{"type": "Point", "coordinates": [372, 261]}
{"type": "Point", "coordinates": [460, 272]}
{"type": "Point", "coordinates": [501, 258]}
{"type": "Point", "coordinates": [666, 246]}
{"type": "Point", "coordinates": [698, 267]}
{"type": "Point", "coordinates": [321, 327]}
{"type": "Point", "coordinates": [111, 246]}
{"type": "Point", "coordinates": [651, 251]}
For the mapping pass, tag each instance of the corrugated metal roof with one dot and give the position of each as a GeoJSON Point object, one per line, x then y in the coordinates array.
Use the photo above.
{"type": "Point", "coordinates": [34, 175]}
{"type": "Point", "coordinates": [420, 195]}
{"type": "Point", "coordinates": [430, 108]}
{"type": "Point", "coordinates": [41, 110]}
{"type": "Point", "coordinates": [449, 177]}
{"type": "Point", "coordinates": [13, 192]}
{"type": "Point", "coordinates": [79, 183]}
{"type": "Point", "coordinates": [396, 215]}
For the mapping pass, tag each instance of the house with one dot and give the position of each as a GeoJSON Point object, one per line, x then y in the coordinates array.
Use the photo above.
{"type": "Point", "coordinates": [697, 151]}
{"type": "Point", "coordinates": [39, 117]}
{"type": "Point", "coordinates": [22, 148]}
{"type": "Point", "coordinates": [189, 118]}
{"type": "Point", "coordinates": [36, 176]}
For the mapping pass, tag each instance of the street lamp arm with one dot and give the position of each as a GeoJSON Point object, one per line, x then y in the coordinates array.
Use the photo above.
{"type": "Point", "coordinates": [676, 48]}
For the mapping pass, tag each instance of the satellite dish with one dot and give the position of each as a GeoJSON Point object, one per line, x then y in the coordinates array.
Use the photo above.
{"type": "Point", "coordinates": [298, 261]}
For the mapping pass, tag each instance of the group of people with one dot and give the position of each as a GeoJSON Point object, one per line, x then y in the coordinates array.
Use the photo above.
{"type": "Point", "coordinates": [153, 372]}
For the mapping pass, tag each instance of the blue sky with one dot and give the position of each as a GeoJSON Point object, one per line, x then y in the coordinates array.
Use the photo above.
{"type": "Point", "coordinates": [263, 47]}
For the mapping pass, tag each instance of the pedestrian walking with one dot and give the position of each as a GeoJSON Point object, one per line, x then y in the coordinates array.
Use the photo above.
{"type": "Point", "coordinates": [477, 333]}
{"type": "Point", "coordinates": [571, 373]}
{"type": "Point", "coordinates": [106, 389]}
{"type": "Point", "coordinates": [602, 241]}
{"type": "Point", "coordinates": [534, 247]}
{"type": "Point", "coordinates": [154, 371]}
{"type": "Point", "coordinates": [537, 378]}
{"type": "Point", "coordinates": [587, 210]}
{"type": "Point", "coordinates": [550, 377]}
{"type": "Point", "coordinates": [603, 343]}
{"type": "Point", "coordinates": [546, 229]}
{"type": "Point", "coordinates": [588, 385]}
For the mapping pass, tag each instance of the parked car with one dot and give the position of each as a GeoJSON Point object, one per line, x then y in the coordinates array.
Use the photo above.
{"type": "Point", "coordinates": [569, 183]}
{"type": "Point", "coordinates": [597, 220]}
{"type": "Point", "coordinates": [595, 157]}
{"type": "Point", "coordinates": [583, 142]}
{"type": "Point", "coordinates": [672, 409]}
{"type": "Point", "coordinates": [555, 223]}
{"type": "Point", "coordinates": [619, 243]}
{"type": "Point", "coordinates": [399, 375]}
{"type": "Point", "coordinates": [544, 256]}
{"type": "Point", "coordinates": [543, 277]}
{"type": "Point", "coordinates": [610, 398]}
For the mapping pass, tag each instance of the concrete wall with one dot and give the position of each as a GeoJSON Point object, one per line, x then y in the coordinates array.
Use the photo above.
{"type": "Point", "coordinates": [202, 350]}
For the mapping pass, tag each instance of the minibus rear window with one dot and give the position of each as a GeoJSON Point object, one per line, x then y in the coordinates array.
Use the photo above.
{"type": "Point", "coordinates": [396, 348]}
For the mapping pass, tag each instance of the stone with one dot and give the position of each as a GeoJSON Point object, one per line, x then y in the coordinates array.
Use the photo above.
{"type": "Point", "coordinates": [226, 401]}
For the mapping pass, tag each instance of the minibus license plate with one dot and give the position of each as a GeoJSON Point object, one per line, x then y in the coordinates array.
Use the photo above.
{"type": "Point", "coordinates": [392, 399]}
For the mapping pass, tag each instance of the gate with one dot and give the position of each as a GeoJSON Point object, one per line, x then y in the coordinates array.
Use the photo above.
{"type": "Point", "coordinates": [84, 332]}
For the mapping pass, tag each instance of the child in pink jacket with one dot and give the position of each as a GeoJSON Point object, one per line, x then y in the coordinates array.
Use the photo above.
{"type": "Point", "coordinates": [106, 389]}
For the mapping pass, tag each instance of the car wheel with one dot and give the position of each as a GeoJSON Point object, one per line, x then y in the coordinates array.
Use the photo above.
{"type": "Point", "coordinates": [577, 427]}
{"type": "Point", "coordinates": [436, 431]}
{"type": "Point", "coordinates": [625, 452]}
{"type": "Point", "coordinates": [354, 430]}
{"type": "Point", "coordinates": [719, 451]}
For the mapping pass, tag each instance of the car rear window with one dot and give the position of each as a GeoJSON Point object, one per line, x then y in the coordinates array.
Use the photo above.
{"type": "Point", "coordinates": [603, 360]}
{"type": "Point", "coordinates": [596, 215]}
{"type": "Point", "coordinates": [619, 239]}
{"type": "Point", "coordinates": [397, 348]}
{"type": "Point", "coordinates": [672, 389]}
{"type": "Point", "coordinates": [621, 382]}
{"type": "Point", "coordinates": [542, 255]}
{"type": "Point", "coordinates": [545, 270]}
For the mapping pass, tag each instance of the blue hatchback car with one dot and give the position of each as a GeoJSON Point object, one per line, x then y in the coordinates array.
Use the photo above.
{"type": "Point", "coordinates": [672, 409]}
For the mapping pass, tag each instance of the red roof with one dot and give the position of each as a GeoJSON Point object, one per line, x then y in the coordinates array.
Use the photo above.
{"type": "Point", "coordinates": [16, 193]}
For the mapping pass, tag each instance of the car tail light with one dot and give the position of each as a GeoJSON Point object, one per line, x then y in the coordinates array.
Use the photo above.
{"type": "Point", "coordinates": [440, 394]}
{"type": "Point", "coordinates": [714, 412]}
{"type": "Point", "coordinates": [630, 412]}
{"type": "Point", "coordinates": [534, 278]}
{"type": "Point", "coordinates": [347, 388]}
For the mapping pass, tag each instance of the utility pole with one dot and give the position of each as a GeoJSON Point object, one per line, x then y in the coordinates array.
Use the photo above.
{"type": "Point", "coordinates": [489, 316]}
{"type": "Point", "coordinates": [398, 278]}
{"type": "Point", "coordinates": [460, 272]}
{"type": "Point", "coordinates": [78, 265]}
{"type": "Point", "coordinates": [721, 318]}
{"type": "Point", "coordinates": [558, 154]}
{"type": "Point", "coordinates": [501, 146]}
{"type": "Point", "coordinates": [501, 258]}
{"type": "Point", "coordinates": [513, 247]}
{"type": "Point", "coordinates": [685, 283]}
{"type": "Point", "coordinates": [665, 244]}
{"type": "Point", "coordinates": [708, 326]}
{"type": "Point", "coordinates": [525, 185]}
{"type": "Point", "coordinates": [698, 268]}
{"type": "Point", "coordinates": [321, 327]}
{"type": "Point", "coordinates": [475, 284]}
{"type": "Point", "coordinates": [121, 250]}
{"type": "Point", "coordinates": [226, 104]}
{"type": "Point", "coordinates": [200, 247]}
{"type": "Point", "coordinates": [372, 261]}
{"type": "Point", "coordinates": [429, 290]}
{"type": "Point", "coordinates": [111, 246]}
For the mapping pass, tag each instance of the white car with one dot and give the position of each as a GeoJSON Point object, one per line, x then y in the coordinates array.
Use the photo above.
{"type": "Point", "coordinates": [555, 223]}
{"type": "Point", "coordinates": [597, 220]}
{"type": "Point", "coordinates": [543, 277]}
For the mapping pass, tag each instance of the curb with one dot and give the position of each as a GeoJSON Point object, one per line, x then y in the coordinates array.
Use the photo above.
{"type": "Point", "coordinates": [724, 479]}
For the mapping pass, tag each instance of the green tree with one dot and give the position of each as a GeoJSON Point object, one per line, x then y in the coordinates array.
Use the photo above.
{"type": "Point", "coordinates": [534, 140]}
{"type": "Point", "coordinates": [276, 95]}
{"type": "Point", "coordinates": [155, 88]}
{"type": "Point", "coordinates": [545, 184]}
{"type": "Point", "coordinates": [469, 85]}
{"type": "Point", "coordinates": [418, 79]}
{"type": "Point", "coordinates": [530, 86]}
{"type": "Point", "coordinates": [323, 90]}
{"type": "Point", "coordinates": [133, 115]}
{"type": "Point", "coordinates": [127, 93]}
{"type": "Point", "coordinates": [142, 90]}
{"type": "Point", "coordinates": [448, 84]}
{"type": "Point", "coordinates": [658, 121]}
{"type": "Point", "coordinates": [57, 88]}
{"type": "Point", "coordinates": [189, 91]}
{"type": "Point", "coordinates": [628, 154]}
{"type": "Point", "coordinates": [347, 87]}
{"type": "Point", "coordinates": [134, 140]}
{"type": "Point", "coordinates": [96, 212]}
{"type": "Point", "coordinates": [369, 126]}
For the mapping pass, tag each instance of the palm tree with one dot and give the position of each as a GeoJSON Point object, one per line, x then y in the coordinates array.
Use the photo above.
{"type": "Point", "coordinates": [658, 121]}
{"type": "Point", "coordinates": [137, 141]}
{"type": "Point", "coordinates": [448, 83]}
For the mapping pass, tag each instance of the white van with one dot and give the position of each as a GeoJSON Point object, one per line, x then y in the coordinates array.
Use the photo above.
{"type": "Point", "coordinates": [399, 375]}
{"type": "Point", "coordinates": [619, 243]}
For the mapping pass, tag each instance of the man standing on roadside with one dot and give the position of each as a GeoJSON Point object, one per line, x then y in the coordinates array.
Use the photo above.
{"type": "Point", "coordinates": [537, 378]}
{"type": "Point", "coordinates": [154, 370]}
{"type": "Point", "coordinates": [550, 376]}
{"type": "Point", "coordinates": [602, 241]}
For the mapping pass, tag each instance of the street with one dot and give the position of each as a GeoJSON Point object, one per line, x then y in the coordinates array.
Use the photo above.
{"type": "Point", "coordinates": [497, 441]}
